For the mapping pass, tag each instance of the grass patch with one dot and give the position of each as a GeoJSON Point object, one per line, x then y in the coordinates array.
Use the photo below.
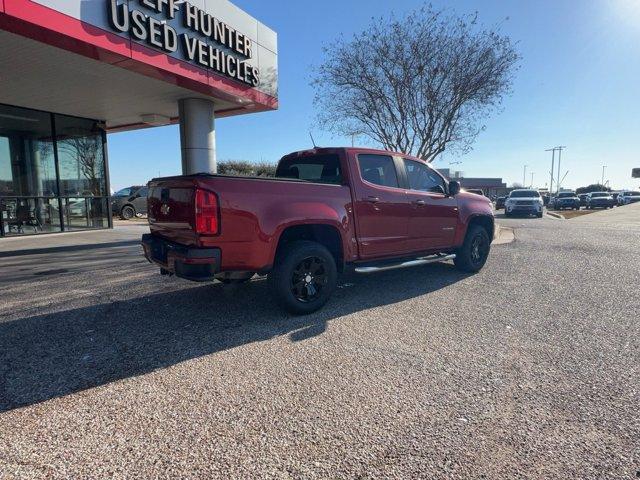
{"type": "Point", "coordinates": [569, 214]}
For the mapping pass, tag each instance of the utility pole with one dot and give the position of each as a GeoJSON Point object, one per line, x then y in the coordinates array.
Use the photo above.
{"type": "Point", "coordinates": [603, 167]}
{"type": "Point", "coordinates": [553, 166]}
{"type": "Point", "coordinates": [524, 177]}
{"type": "Point", "coordinates": [531, 186]}
{"type": "Point", "coordinates": [559, 164]}
{"type": "Point", "coordinates": [355, 135]}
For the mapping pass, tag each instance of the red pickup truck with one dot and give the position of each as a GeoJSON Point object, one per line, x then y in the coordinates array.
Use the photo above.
{"type": "Point", "coordinates": [326, 211]}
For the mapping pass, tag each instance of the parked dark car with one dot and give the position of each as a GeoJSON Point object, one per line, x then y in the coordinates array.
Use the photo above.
{"type": "Point", "coordinates": [130, 202]}
{"type": "Point", "coordinates": [546, 199]}
{"type": "Point", "coordinates": [500, 202]}
{"type": "Point", "coordinates": [615, 196]}
{"type": "Point", "coordinates": [583, 199]}
{"type": "Point", "coordinates": [566, 200]}
{"type": "Point", "coordinates": [600, 200]}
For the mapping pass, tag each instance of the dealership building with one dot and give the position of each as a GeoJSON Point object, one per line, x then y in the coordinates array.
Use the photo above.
{"type": "Point", "coordinates": [492, 187]}
{"type": "Point", "coordinates": [71, 71]}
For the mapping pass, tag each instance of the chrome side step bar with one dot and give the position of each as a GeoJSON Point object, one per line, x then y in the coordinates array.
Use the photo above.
{"type": "Point", "coordinates": [409, 263]}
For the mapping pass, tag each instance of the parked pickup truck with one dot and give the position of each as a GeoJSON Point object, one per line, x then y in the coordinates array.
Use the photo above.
{"type": "Point", "coordinates": [326, 211]}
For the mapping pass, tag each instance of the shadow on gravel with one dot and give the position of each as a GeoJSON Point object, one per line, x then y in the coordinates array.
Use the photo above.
{"type": "Point", "coordinates": [69, 248]}
{"type": "Point", "coordinates": [52, 355]}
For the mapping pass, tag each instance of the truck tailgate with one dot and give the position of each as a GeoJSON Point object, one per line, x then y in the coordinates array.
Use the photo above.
{"type": "Point", "coordinates": [171, 210]}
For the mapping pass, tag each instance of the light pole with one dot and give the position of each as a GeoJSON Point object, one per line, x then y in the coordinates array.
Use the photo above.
{"type": "Point", "coordinates": [559, 163]}
{"type": "Point", "coordinates": [524, 176]}
{"type": "Point", "coordinates": [603, 167]}
{"type": "Point", "coordinates": [553, 165]}
{"type": "Point", "coordinates": [532, 173]}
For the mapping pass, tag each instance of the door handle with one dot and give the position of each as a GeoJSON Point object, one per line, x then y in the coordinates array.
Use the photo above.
{"type": "Point", "coordinates": [419, 202]}
{"type": "Point", "coordinates": [372, 199]}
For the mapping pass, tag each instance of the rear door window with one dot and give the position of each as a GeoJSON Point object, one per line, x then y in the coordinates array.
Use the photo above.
{"type": "Point", "coordinates": [379, 170]}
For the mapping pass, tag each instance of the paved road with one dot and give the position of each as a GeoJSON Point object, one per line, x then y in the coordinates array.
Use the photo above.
{"type": "Point", "coordinates": [530, 369]}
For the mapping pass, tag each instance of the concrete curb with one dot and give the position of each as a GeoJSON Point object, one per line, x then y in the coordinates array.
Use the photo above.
{"type": "Point", "coordinates": [503, 235]}
{"type": "Point", "coordinates": [556, 215]}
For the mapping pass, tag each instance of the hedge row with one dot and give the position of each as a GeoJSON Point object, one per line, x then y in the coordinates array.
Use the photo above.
{"type": "Point", "coordinates": [248, 169]}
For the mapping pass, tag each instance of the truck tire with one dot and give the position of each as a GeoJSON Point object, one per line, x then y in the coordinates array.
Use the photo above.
{"type": "Point", "coordinates": [127, 212]}
{"type": "Point", "coordinates": [474, 252]}
{"type": "Point", "coordinates": [304, 277]}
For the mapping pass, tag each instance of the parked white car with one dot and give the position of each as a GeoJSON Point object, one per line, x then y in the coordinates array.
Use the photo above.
{"type": "Point", "coordinates": [528, 202]}
{"type": "Point", "coordinates": [627, 197]}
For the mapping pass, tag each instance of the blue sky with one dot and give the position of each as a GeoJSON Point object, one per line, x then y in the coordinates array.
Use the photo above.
{"type": "Point", "coordinates": [578, 85]}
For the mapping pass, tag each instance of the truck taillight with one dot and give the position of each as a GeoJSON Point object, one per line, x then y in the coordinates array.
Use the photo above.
{"type": "Point", "coordinates": [207, 221]}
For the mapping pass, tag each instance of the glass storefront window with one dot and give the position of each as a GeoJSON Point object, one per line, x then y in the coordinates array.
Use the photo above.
{"type": "Point", "coordinates": [27, 162]}
{"type": "Point", "coordinates": [22, 216]}
{"type": "Point", "coordinates": [80, 156]}
{"type": "Point", "coordinates": [38, 195]}
{"type": "Point", "coordinates": [81, 213]}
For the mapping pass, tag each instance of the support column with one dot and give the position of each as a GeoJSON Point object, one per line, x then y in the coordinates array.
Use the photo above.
{"type": "Point", "coordinates": [197, 136]}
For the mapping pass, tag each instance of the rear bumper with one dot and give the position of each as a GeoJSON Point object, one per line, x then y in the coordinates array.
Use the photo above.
{"type": "Point", "coordinates": [190, 263]}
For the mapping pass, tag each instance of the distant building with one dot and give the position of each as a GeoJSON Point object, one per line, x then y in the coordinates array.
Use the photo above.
{"type": "Point", "coordinates": [490, 186]}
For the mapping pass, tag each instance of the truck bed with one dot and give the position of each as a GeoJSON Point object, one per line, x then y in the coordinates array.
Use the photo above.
{"type": "Point", "coordinates": [253, 211]}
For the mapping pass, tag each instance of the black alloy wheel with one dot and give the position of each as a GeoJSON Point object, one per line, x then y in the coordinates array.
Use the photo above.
{"type": "Point", "coordinates": [308, 279]}
{"type": "Point", "coordinates": [474, 252]}
{"type": "Point", "coordinates": [479, 249]}
{"type": "Point", "coordinates": [304, 276]}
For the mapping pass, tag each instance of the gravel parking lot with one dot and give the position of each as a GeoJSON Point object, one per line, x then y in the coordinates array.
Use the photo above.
{"type": "Point", "coordinates": [530, 369]}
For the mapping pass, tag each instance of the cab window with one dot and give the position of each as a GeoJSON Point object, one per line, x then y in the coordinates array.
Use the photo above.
{"type": "Point", "coordinates": [312, 168]}
{"type": "Point", "coordinates": [423, 178]}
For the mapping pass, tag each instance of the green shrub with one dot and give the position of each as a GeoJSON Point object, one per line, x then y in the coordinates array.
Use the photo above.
{"type": "Point", "coordinates": [592, 188]}
{"type": "Point", "coordinates": [247, 169]}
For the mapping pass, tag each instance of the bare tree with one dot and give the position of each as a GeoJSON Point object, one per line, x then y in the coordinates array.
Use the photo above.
{"type": "Point", "coordinates": [87, 151]}
{"type": "Point", "coordinates": [419, 84]}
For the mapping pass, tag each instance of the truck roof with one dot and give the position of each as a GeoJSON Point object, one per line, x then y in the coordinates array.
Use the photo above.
{"type": "Point", "coordinates": [317, 150]}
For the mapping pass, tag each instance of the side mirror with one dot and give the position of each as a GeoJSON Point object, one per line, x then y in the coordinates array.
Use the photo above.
{"type": "Point", "coordinates": [454, 188]}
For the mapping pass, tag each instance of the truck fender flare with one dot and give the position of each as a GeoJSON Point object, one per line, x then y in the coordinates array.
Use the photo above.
{"type": "Point", "coordinates": [333, 223]}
